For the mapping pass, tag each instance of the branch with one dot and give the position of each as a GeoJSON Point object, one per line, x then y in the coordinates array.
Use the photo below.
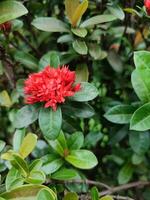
{"type": "Point", "coordinates": [27, 42]}
{"type": "Point", "coordinates": [89, 182]}
{"type": "Point", "coordinates": [125, 187]}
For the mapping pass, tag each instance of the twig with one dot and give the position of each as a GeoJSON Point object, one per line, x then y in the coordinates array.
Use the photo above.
{"type": "Point", "coordinates": [27, 42]}
{"type": "Point", "coordinates": [89, 182]}
{"type": "Point", "coordinates": [125, 187]}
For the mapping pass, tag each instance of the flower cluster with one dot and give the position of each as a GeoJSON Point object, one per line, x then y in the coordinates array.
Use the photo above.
{"type": "Point", "coordinates": [5, 26]}
{"type": "Point", "coordinates": [147, 6]}
{"type": "Point", "coordinates": [50, 86]}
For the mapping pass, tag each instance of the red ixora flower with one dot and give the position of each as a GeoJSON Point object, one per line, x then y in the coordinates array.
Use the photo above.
{"type": "Point", "coordinates": [51, 86]}
{"type": "Point", "coordinates": [6, 26]}
{"type": "Point", "coordinates": [147, 6]}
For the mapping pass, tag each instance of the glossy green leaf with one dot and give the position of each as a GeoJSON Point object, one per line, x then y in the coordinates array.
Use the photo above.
{"type": "Point", "coordinates": [82, 73]}
{"type": "Point", "coordinates": [87, 92]}
{"type": "Point", "coordinates": [94, 193]}
{"type": "Point", "coordinates": [5, 99]}
{"type": "Point", "coordinates": [64, 174]}
{"type": "Point", "coordinates": [115, 61]}
{"type": "Point", "coordinates": [116, 11]}
{"type": "Point", "coordinates": [95, 51]}
{"type": "Point", "coordinates": [26, 192]}
{"type": "Point", "coordinates": [80, 47]}
{"type": "Point", "coordinates": [17, 139]}
{"type": "Point", "coordinates": [28, 60]}
{"type": "Point", "coordinates": [141, 83]}
{"type": "Point", "coordinates": [81, 32]}
{"type": "Point", "coordinates": [56, 145]}
{"type": "Point", "coordinates": [142, 59]}
{"type": "Point", "coordinates": [75, 141]}
{"type": "Point", "coordinates": [50, 122]}
{"type": "Point", "coordinates": [2, 145]}
{"type": "Point", "coordinates": [36, 165]}
{"type": "Point", "coordinates": [82, 159]}
{"type": "Point", "coordinates": [25, 116]}
{"type": "Point", "coordinates": [28, 144]}
{"type": "Point", "coordinates": [10, 9]}
{"type": "Point", "coordinates": [137, 159]}
{"type": "Point", "coordinates": [51, 163]}
{"type": "Point", "coordinates": [98, 19]}
{"type": "Point", "coordinates": [107, 197]}
{"type": "Point", "coordinates": [13, 179]}
{"type": "Point", "coordinates": [18, 163]}
{"type": "Point", "coordinates": [140, 120]}
{"type": "Point", "coordinates": [36, 177]}
{"type": "Point", "coordinates": [139, 142]}
{"type": "Point", "coordinates": [125, 174]}
{"type": "Point", "coordinates": [78, 109]}
{"type": "Point", "coordinates": [45, 194]}
{"type": "Point", "coordinates": [71, 196]}
{"type": "Point", "coordinates": [120, 114]}
{"type": "Point", "coordinates": [54, 60]}
{"type": "Point", "coordinates": [50, 24]}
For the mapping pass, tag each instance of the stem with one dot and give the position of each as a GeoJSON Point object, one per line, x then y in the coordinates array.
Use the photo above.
{"type": "Point", "coordinates": [27, 42]}
{"type": "Point", "coordinates": [125, 187]}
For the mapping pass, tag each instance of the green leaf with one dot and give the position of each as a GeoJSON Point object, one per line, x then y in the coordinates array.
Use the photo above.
{"type": "Point", "coordinates": [81, 32]}
{"type": "Point", "coordinates": [75, 141]}
{"type": "Point", "coordinates": [26, 59]}
{"type": "Point", "coordinates": [36, 177]}
{"type": "Point", "coordinates": [140, 120]}
{"type": "Point", "coordinates": [54, 60]}
{"type": "Point", "coordinates": [97, 20]}
{"type": "Point", "coordinates": [56, 145]}
{"type": "Point", "coordinates": [20, 164]}
{"type": "Point", "coordinates": [125, 174]}
{"type": "Point", "coordinates": [139, 142]}
{"type": "Point", "coordinates": [45, 194]}
{"type": "Point", "coordinates": [107, 197]}
{"type": "Point", "coordinates": [10, 9]}
{"type": "Point", "coordinates": [25, 116]}
{"type": "Point", "coordinates": [13, 179]}
{"type": "Point", "coordinates": [137, 159]}
{"type": "Point", "coordinates": [2, 145]}
{"type": "Point", "coordinates": [71, 196]}
{"type": "Point", "coordinates": [17, 139]}
{"type": "Point", "coordinates": [95, 51]}
{"type": "Point", "coordinates": [46, 59]}
{"type": "Point", "coordinates": [28, 144]}
{"type": "Point", "coordinates": [120, 114]}
{"type": "Point", "coordinates": [36, 165]}
{"type": "Point", "coordinates": [64, 174]}
{"type": "Point", "coordinates": [141, 83]}
{"type": "Point", "coordinates": [5, 99]}
{"type": "Point", "coordinates": [50, 122]}
{"type": "Point", "coordinates": [115, 61]}
{"type": "Point", "coordinates": [82, 73]}
{"type": "Point", "coordinates": [82, 159]}
{"type": "Point", "coordinates": [87, 92]}
{"type": "Point", "coordinates": [51, 163]}
{"type": "Point", "coordinates": [94, 193]}
{"type": "Point", "coordinates": [49, 24]}
{"type": "Point", "coordinates": [26, 192]}
{"type": "Point", "coordinates": [116, 11]}
{"type": "Point", "coordinates": [142, 59]}
{"type": "Point", "coordinates": [80, 47]}
{"type": "Point", "coordinates": [82, 110]}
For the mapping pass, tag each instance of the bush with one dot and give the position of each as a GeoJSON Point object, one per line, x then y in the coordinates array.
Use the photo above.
{"type": "Point", "coordinates": [74, 125]}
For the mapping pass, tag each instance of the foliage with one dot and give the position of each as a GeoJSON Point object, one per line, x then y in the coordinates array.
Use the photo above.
{"type": "Point", "coordinates": [97, 135]}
